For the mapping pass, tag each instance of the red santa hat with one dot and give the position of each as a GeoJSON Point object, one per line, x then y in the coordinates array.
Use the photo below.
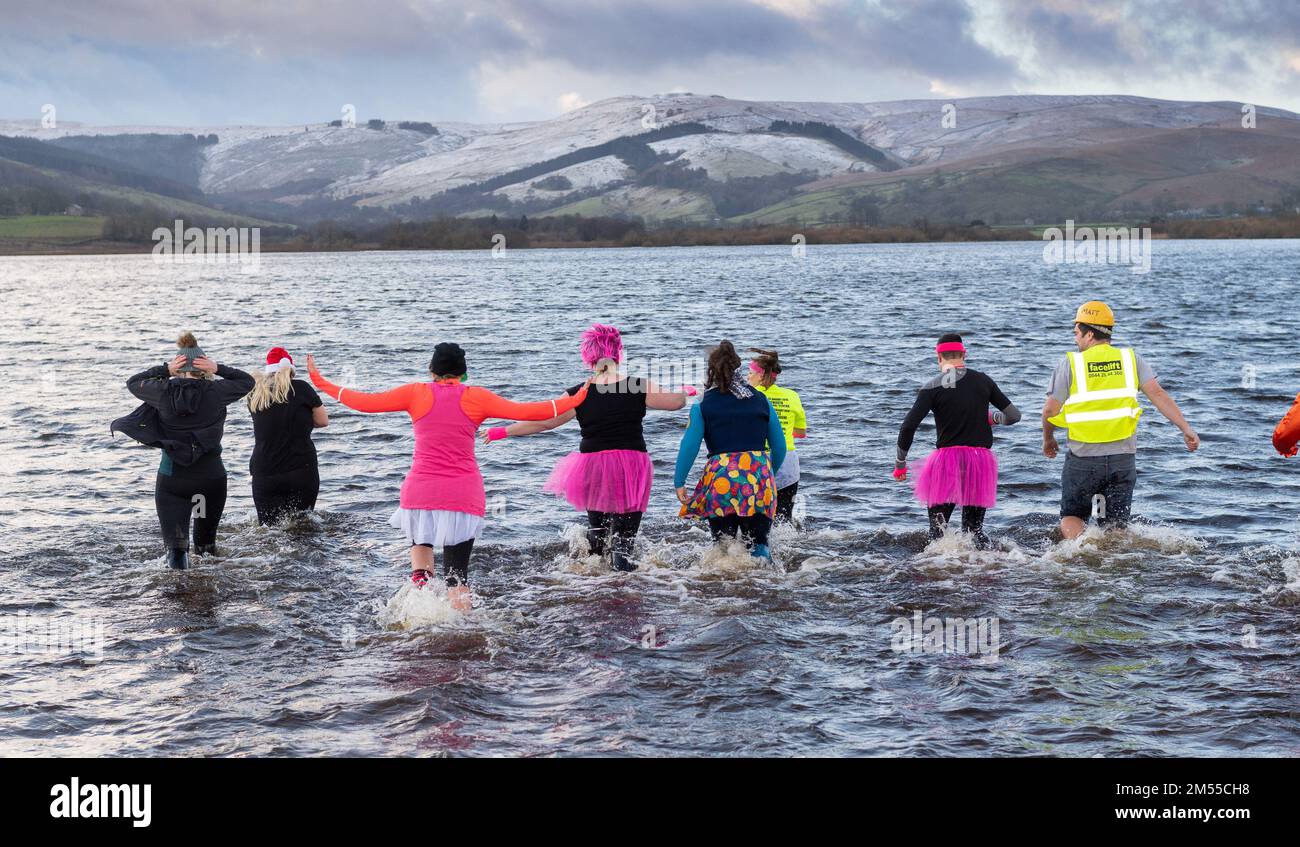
{"type": "Point", "coordinates": [278, 358]}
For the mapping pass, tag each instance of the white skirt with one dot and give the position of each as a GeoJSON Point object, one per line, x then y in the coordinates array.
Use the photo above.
{"type": "Point", "coordinates": [439, 527]}
{"type": "Point", "coordinates": [789, 473]}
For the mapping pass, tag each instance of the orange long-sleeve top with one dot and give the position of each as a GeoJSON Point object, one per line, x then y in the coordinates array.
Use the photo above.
{"type": "Point", "coordinates": [478, 404]}
{"type": "Point", "coordinates": [1287, 434]}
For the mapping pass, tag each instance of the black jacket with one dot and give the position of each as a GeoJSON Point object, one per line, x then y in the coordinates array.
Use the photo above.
{"type": "Point", "coordinates": [183, 417]}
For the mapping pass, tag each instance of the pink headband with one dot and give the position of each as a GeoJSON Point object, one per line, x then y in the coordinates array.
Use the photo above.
{"type": "Point", "coordinates": [756, 367]}
{"type": "Point", "coordinates": [950, 347]}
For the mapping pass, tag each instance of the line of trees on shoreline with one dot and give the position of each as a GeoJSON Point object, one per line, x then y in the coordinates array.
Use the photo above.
{"type": "Point", "coordinates": [578, 231]}
{"type": "Point", "coordinates": [136, 227]}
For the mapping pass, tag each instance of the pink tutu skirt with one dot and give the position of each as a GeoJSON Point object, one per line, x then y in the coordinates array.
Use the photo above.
{"type": "Point", "coordinates": [967, 476]}
{"type": "Point", "coordinates": [608, 481]}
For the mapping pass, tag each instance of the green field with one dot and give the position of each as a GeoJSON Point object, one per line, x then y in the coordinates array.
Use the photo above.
{"type": "Point", "coordinates": [652, 204]}
{"type": "Point", "coordinates": [51, 228]}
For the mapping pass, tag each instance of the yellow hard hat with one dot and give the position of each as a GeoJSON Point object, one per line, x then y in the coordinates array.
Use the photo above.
{"type": "Point", "coordinates": [1096, 313]}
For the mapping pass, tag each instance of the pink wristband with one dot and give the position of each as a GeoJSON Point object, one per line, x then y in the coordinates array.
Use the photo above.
{"type": "Point", "coordinates": [689, 390]}
{"type": "Point", "coordinates": [497, 433]}
{"type": "Point", "coordinates": [900, 473]}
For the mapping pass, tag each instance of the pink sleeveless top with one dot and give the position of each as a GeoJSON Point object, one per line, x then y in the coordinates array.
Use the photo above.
{"type": "Point", "coordinates": [444, 473]}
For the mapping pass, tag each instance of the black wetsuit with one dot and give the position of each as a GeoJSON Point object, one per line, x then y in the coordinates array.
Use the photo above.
{"type": "Point", "coordinates": [185, 418]}
{"type": "Point", "coordinates": [611, 419]}
{"type": "Point", "coordinates": [283, 466]}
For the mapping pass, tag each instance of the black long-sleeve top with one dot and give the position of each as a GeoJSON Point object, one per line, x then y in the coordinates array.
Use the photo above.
{"type": "Point", "coordinates": [961, 410]}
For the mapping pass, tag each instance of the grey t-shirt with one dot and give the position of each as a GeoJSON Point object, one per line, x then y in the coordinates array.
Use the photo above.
{"type": "Point", "coordinates": [1061, 386]}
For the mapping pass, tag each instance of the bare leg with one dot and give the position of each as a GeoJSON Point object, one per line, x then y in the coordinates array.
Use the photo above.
{"type": "Point", "coordinates": [455, 564]}
{"type": "Point", "coordinates": [421, 558]}
{"type": "Point", "coordinates": [1072, 527]}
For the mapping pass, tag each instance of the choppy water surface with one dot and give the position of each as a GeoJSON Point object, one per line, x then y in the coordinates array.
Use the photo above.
{"type": "Point", "coordinates": [1179, 637]}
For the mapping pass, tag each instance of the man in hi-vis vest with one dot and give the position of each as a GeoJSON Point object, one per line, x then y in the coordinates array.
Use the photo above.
{"type": "Point", "coordinates": [1093, 394]}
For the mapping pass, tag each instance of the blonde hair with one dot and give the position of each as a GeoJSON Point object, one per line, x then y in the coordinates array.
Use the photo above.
{"type": "Point", "coordinates": [270, 389]}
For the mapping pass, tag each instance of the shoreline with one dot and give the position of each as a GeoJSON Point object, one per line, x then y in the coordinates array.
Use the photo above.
{"type": "Point", "coordinates": [1241, 229]}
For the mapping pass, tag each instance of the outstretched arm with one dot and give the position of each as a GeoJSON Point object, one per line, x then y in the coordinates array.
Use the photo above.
{"type": "Point", "coordinates": [402, 399]}
{"type": "Point", "coordinates": [667, 401]}
{"type": "Point", "coordinates": [515, 430]}
{"type": "Point", "coordinates": [1158, 396]}
{"type": "Point", "coordinates": [480, 404]}
{"type": "Point", "coordinates": [907, 432]}
{"type": "Point", "coordinates": [689, 448]}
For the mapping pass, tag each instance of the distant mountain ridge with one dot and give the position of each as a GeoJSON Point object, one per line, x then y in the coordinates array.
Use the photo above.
{"type": "Point", "coordinates": [697, 159]}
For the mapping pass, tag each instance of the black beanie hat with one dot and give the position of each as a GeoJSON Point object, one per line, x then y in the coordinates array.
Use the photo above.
{"type": "Point", "coordinates": [448, 360]}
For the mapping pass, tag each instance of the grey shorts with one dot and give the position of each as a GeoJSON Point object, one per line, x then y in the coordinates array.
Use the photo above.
{"type": "Point", "coordinates": [1085, 477]}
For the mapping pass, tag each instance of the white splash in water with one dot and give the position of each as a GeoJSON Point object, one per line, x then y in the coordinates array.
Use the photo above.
{"type": "Point", "coordinates": [580, 559]}
{"type": "Point", "coordinates": [730, 556]}
{"type": "Point", "coordinates": [1166, 539]}
{"type": "Point", "coordinates": [956, 550]}
{"type": "Point", "coordinates": [1135, 537]}
{"type": "Point", "coordinates": [1291, 570]}
{"type": "Point", "coordinates": [412, 608]}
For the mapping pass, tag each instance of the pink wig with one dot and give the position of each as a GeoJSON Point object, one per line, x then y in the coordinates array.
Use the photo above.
{"type": "Point", "coordinates": [601, 342]}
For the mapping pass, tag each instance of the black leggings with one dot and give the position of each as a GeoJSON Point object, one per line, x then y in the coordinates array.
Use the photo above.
{"type": "Point", "coordinates": [617, 529]}
{"type": "Point", "coordinates": [785, 502]}
{"type": "Point", "coordinates": [753, 529]}
{"type": "Point", "coordinates": [277, 495]}
{"type": "Point", "coordinates": [178, 498]}
{"type": "Point", "coordinates": [455, 562]}
{"type": "Point", "coordinates": [972, 520]}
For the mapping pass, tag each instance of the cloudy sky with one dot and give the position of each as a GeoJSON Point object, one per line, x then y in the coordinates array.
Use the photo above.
{"type": "Point", "coordinates": [204, 62]}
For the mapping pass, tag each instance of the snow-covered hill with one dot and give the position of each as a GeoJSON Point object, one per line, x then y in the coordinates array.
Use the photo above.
{"type": "Point", "coordinates": [383, 167]}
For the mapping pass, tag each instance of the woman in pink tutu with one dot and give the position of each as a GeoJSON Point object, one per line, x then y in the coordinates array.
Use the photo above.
{"type": "Point", "coordinates": [609, 476]}
{"type": "Point", "coordinates": [963, 470]}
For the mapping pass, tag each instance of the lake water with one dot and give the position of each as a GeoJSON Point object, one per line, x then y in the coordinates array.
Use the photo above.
{"type": "Point", "coordinates": [1178, 637]}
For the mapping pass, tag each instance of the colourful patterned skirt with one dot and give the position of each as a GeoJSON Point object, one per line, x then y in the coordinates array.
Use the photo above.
{"type": "Point", "coordinates": [734, 484]}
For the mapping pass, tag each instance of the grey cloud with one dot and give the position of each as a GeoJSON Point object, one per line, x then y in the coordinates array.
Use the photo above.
{"type": "Point", "coordinates": [1158, 37]}
{"type": "Point", "coordinates": [930, 37]}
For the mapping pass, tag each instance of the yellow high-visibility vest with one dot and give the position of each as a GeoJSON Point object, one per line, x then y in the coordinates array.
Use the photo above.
{"type": "Point", "coordinates": [1103, 404]}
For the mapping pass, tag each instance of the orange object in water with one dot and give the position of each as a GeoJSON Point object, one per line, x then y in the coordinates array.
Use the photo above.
{"type": "Point", "coordinates": [1287, 434]}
